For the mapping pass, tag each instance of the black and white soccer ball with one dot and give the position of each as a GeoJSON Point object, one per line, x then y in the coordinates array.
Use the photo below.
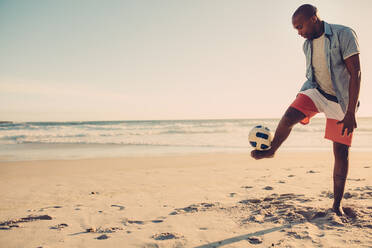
{"type": "Point", "coordinates": [260, 138]}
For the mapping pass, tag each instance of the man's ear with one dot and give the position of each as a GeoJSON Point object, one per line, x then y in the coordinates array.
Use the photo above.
{"type": "Point", "coordinates": [314, 18]}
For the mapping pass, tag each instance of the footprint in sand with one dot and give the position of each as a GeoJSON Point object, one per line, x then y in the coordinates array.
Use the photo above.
{"type": "Point", "coordinates": [103, 230]}
{"type": "Point", "coordinates": [103, 236]}
{"type": "Point", "coordinates": [42, 209]}
{"type": "Point", "coordinates": [59, 226]}
{"type": "Point", "coordinates": [356, 179]}
{"type": "Point", "coordinates": [6, 225]}
{"type": "Point", "coordinates": [275, 208]}
{"type": "Point", "coordinates": [157, 221]}
{"type": "Point", "coordinates": [127, 222]}
{"type": "Point", "coordinates": [365, 192]}
{"type": "Point", "coordinates": [98, 230]}
{"type": "Point", "coordinates": [118, 206]}
{"type": "Point", "coordinates": [250, 201]}
{"type": "Point", "coordinates": [246, 187]}
{"type": "Point", "coordinates": [350, 212]}
{"type": "Point", "coordinates": [284, 209]}
{"type": "Point", "coordinates": [363, 188]}
{"type": "Point", "coordinates": [254, 240]}
{"type": "Point", "coordinates": [138, 222]}
{"type": "Point", "coordinates": [166, 236]}
{"type": "Point", "coordinates": [302, 235]}
{"type": "Point", "coordinates": [349, 195]}
{"type": "Point", "coordinates": [327, 194]}
{"type": "Point", "coordinates": [195, 208]}
{"type": "Point", "coordinates": [77, 206]}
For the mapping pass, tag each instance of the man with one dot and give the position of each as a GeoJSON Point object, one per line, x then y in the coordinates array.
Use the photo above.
{"type": "Point", "coordinates": [332, 87]}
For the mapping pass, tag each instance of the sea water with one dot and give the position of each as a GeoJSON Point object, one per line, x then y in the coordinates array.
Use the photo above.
{"type": "Point", "coordinates": [91, 139]}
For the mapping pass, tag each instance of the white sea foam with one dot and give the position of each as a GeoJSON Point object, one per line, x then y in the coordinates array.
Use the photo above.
{"type": "Point", "coordinates": [178, 135]}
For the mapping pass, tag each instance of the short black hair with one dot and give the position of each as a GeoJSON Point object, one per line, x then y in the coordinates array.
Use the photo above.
{"type": "Point", "coordinates": [306, 10]}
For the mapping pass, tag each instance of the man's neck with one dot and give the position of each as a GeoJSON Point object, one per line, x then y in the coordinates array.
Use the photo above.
{"type": "Point", "coordinates": [319, 29]}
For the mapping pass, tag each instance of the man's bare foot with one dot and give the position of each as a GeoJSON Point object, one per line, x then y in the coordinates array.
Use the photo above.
{"type": "Point", "coordinates": [262, 154]}
{"type": "Point", "coordinates": [338, 210]}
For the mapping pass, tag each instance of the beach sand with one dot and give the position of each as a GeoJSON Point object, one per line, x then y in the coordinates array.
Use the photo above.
{"type": "Point", "coordinates": [197, 200]}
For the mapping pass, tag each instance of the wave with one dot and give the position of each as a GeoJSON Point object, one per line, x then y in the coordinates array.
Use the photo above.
{"type": "Point", "coordinates": [167, 126]}
{"type": "Point", "coordinates": [145, 123]}
{"type": "Point", "coordinates": [194, 132]}
{"type": "Point", "coordinates": [38, 125]}
{"type": "Point", "coordinates": [148, 144]}
{"type": "Point", "coordinates": [149, 132]}
{"type": "Point", "coordinates": [23, 138]}
{"type": "Point", "coordinates": [13, 137]}
{"type": "Point", "coordinates": [75, 123]}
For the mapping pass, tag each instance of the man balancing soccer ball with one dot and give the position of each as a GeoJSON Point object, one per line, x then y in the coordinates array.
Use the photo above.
{"type": "Point", "coordinates": [332, 87]}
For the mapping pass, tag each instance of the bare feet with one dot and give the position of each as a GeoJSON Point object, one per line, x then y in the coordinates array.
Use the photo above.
{"type": "Point", "coordinates": [338, 210]}
{"type": "Point", "coordinates": [344, 211]}
{"type": "Point", "coordinates": [262, 154]}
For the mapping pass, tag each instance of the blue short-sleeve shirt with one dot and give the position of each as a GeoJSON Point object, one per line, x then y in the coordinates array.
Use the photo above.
{"type": "Point", "coordinates": [340, 43]}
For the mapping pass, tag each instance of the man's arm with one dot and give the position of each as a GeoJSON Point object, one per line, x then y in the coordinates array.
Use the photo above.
{"type": "Point", "coordinates": [353, 66]}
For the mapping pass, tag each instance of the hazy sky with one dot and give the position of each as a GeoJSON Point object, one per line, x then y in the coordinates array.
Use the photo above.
{"type": "Point", "coordinates": [126, 60]}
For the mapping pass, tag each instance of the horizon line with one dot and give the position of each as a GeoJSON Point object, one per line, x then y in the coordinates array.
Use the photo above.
{"type": "Point", "coordinates": [133, 120]}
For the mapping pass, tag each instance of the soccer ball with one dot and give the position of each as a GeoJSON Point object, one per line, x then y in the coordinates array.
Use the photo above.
{"type": "Point", "coordinates": [260, 138]}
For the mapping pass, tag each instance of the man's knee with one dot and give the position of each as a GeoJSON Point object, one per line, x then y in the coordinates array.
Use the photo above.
{"type": "Point", "coordinates": [292, 116]}
{"type": "Point", "coordinates": [340, 151]}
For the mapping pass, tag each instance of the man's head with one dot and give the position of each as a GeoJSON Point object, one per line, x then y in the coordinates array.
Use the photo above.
{"type": "Point", "coordinates": [305, 19]}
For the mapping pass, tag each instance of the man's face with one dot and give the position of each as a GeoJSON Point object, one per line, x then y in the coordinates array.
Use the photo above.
{"type": "Point", "coordinates": [305, 26]}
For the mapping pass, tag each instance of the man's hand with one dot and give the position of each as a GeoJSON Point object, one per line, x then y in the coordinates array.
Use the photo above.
{"type": "Point", "coordinates": [349, 123]}
{"type": "Point", "coordinates": [353, 67]}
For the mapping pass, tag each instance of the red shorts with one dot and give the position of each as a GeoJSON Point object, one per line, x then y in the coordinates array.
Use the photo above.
{"type": "Point", "coordinates": [310, 102]}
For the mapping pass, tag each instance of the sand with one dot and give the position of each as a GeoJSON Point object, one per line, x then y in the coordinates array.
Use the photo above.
{"type": "Point", "coordinates": [199, 200]}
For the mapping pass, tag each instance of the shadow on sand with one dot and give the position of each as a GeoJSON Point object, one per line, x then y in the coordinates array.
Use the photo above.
{"type": "Point", "coordinates": [246, 236]}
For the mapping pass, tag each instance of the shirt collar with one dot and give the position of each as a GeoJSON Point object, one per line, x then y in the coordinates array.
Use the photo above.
{"type": "Point", "coordinates": [327, 29]}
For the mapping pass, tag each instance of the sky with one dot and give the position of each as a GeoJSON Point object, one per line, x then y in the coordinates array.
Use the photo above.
{"type": "Point", "coordinates": [161, 59]}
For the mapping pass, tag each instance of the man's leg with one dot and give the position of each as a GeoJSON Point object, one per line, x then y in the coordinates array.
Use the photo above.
{"type": "Point", "coordinates": [341, 153]}
{"type": "Point", "coordinates": [291, 117]}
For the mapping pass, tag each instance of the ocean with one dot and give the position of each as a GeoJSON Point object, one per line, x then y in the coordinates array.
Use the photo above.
{"type": "Point", "coordinates": [92, 139]}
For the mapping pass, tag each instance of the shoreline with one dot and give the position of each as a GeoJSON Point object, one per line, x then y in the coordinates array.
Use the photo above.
{"type": "Point", "coordinates": [9, 159]}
